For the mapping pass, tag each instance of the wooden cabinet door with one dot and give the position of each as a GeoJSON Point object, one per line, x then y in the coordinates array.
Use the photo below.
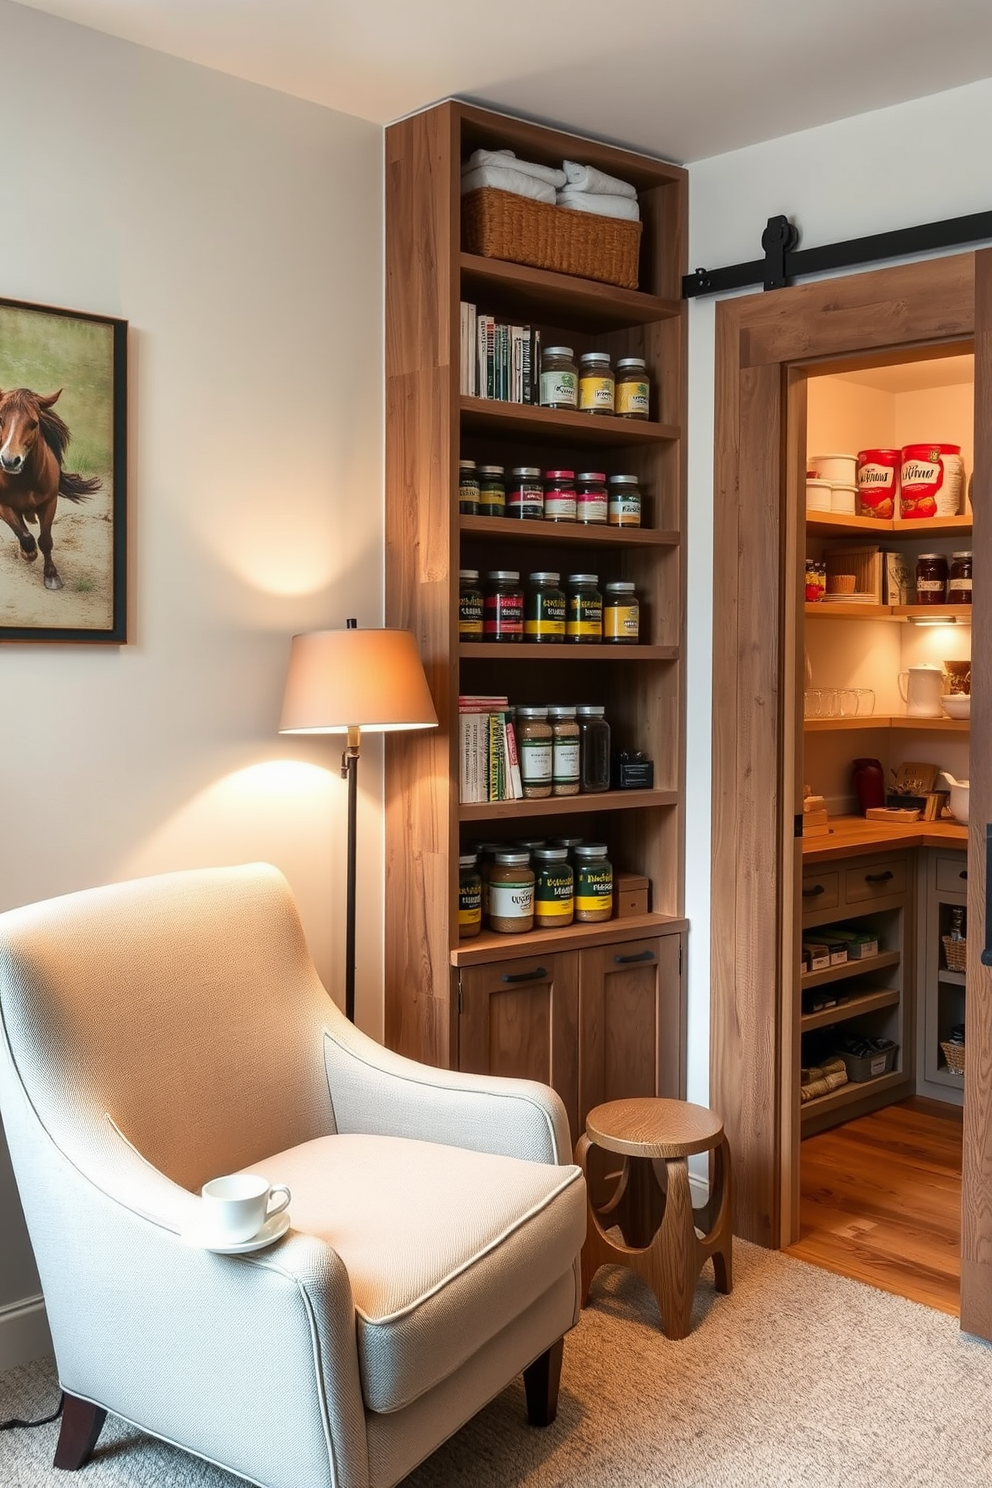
{"type": "Point", "coordinates": [520, 1018]}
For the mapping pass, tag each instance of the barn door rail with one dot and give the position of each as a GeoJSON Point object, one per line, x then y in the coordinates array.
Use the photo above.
{"type": "Point", "coordinates": [785, 261]}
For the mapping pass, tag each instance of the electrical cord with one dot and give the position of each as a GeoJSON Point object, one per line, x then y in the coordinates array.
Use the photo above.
{"type": "Point", "coordinates": [44, 1421]}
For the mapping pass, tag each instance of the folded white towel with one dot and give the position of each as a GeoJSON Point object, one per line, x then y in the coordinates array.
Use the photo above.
{"type": "Point", "coordinates": [546, 173]}
{"type": "Point", "coordinates": [602, 206]}
{"type": "Point", "coordinates": [588, 178]}
{"type": "Point", "coordinates": [505, 179]}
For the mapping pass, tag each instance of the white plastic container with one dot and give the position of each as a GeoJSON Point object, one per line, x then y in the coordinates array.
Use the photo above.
{"type": "Point", "coordinates": [843, 498]}
{"type": "Point", "coordinates": [818, 495]}
{"type": "Point", "coordinates": [841, 470]}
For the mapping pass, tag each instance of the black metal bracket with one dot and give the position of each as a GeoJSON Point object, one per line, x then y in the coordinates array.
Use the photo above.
{"type": "Point", "coordinates": [784, 261]}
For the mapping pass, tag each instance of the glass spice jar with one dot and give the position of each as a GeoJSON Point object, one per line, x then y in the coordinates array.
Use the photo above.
{"type": "Point", "coordinates": [593, 883]}
{"type": "Point", "coordinates": [503, 606]}
{"type": "Point", "coordinates": [559, 384]}
{"type": "Point", "coordinates": [469, 897]}
{"type": "Point", "coordinates": [511, 893]}
{"type": "Point", "coordinates": [544, 608]}
{"type": "Point", "coordinates": [492, 491]}
{"type": "Point", "coordinates": [584, 613]}
{"type": "Point", "coordinates": [594, 747]}
{"type": "Point", "coordinates": [469, 605]}
{"type": "Point", "coordinates": [633, 391]}
{"type": "Point", "coordinates": [534, 745]}
{"type": "Point", "coordinates": [959, 579]}
{"type": "Point", "coordinates": [597, 384]}
{"type": "Point", "coordinates": [931, 579]}
{"type": "Point", "coordinates": [621, 614]}
{"type": "Point", "coordinates": [468, 488]}
{"type": "Point", "coordinates": [554, 888]}
{"type": "Point", "coordinates": [624, 501]}
{"type": "Point", "coordinates": [591, 499]}
{"type": "Point", "coordinates": [525, 497]}
{"type": "Point", "coordinates": [565, 774]}
{"type": "Point", "coordinates": [559, 496]}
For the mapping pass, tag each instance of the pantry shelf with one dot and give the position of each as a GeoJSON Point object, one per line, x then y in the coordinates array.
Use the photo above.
{"type": "Point", "coordinates": [558, 426]}
{"type": "Point", "coordinates": [522, 530]}
{"type": "Point", "coordinates": [592, 305]}
{"type": "Point", "coordinates": [625, 800]}
{"type": "Point", "coordinates": [852, 1008]}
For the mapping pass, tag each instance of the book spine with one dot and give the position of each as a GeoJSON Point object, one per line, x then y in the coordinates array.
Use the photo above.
{"type": "Point", "coordinates": [515, 790]}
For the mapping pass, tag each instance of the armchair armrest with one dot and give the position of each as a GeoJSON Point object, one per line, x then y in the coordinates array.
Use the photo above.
{"type": "Point", "coordinates": [376, 1091]}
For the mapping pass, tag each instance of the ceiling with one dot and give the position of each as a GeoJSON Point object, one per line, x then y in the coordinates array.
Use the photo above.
{"type": "Point", "coordinates": [659, 75]}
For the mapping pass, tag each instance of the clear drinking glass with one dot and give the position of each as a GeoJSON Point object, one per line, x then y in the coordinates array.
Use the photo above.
{"type": "Point", "coordinates": [848, 702]}
{"type": "Point", "coordinates": [866, 701]}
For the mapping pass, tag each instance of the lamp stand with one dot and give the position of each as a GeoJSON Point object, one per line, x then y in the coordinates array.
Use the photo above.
{"type": "Point", "coordinates": [349, 772]}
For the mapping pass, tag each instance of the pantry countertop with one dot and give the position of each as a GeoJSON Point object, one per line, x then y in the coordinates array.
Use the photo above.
{"type": "Point", "coordinates": [851, 836]}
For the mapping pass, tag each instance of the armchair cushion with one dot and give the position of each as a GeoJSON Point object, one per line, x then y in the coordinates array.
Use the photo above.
{"type": "Point", "coordinates": [442, 1245]}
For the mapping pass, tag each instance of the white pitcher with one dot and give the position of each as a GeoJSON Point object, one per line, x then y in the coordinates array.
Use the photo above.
{"type": "Point", "coordinates": [922, 691]}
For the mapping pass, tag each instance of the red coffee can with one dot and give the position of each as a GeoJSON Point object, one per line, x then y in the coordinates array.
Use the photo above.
{"type": "Point", "coordinates": [931, 478]}
{"type": "Point", "coordinates": [878, 482]}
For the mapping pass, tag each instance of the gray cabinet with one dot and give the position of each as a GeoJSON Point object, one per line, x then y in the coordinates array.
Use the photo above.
{"type": "Point", "coordinates": [943, 886]}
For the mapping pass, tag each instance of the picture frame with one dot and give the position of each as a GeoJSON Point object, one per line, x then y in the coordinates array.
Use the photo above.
{"type": "Point", "coordinates": [63, 475]}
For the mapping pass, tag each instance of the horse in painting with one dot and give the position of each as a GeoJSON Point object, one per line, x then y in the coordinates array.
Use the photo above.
{"type": "Point", "coordinates": [33, 441]}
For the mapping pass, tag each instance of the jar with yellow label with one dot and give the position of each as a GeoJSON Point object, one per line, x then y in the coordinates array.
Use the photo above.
{"type": "Point", "coordinates": [511, 893]}
{"type": "Point", "coordinates": [469, 897]}
{"type": "Point", "coordinates": [624, 508]}
{"type": "Point", "coordinates": [469, 605]}
{"type": "Point", "coordinates": [584, 614]}
{"type": "Point", "coordinates": [597, 384]}
{"type": "Point", "coordinates": [633, 394]}
{"type": "Point", "coordinates": [544, 608]}
{"type": "Point", "coordinates": [593, 883]}
{"type": "Point", "coordinates": [621, 614]}
{"type": "Point", "coordinates": [492, 491]}
{"type": "Point", "coordinates": [468, 488]}
{"type": "Point", "coordinates": [554, 889]}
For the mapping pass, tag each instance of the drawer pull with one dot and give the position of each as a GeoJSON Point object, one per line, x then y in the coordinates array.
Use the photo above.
{"type": "Point", "coordinates": [879, 877]}
{"type": "Point", "coordinates": [629, 960]}
{"type": "Point", "coordinates": [812, 893]}
{"type": "Point", "coordinates": [524, 976]}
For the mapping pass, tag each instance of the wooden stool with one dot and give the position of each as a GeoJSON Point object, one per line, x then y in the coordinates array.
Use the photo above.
{"type": "Point", "coordinates": [658, 1224]}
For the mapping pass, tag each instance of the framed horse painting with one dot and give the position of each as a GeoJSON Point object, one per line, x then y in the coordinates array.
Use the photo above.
{"type": "Point", "coordinates": [63, 457]}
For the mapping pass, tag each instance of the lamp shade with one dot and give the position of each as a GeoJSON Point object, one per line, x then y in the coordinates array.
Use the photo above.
{"type": "Point", "coordinates": [344, 679]}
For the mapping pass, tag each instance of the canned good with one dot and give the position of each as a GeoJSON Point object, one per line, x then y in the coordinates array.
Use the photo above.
{"type": "Point", "coordinates": [878, 482]}
{"type": "Point", "coordinates": [931, 480]}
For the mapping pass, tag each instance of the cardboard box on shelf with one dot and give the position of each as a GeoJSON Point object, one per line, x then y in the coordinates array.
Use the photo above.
{"type": "Point", "coordinates": [898, 583]}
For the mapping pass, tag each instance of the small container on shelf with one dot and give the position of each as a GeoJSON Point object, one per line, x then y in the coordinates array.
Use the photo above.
{"type": "Point", "coordinates": [597, 383]}
{"type": "Point", "coordinates": [544, 608]}
{"type": "Point", "coordinates": [469, 897]}
{"type": "Point", "coordinates": [534, 744]}
{"type": "Point", "coordinates": [931, 579]}
{"type": "Point", "coordinates": [503, 606]}
{"type": "Point", "coordinates": [624, 503]}
{"type": "Point", "coordinates": [566, 770]}
{"type": "Point", "coordinates": [559, 385]}
{"type": "Point", "coordinates": [633, 388]}
{"type": "Point", "coordinates": [593, 883]}
{"type": "Point", "coordinates": [554, 888]}
{"type": "Point", "coordinates": [959, 579]}
{"type": "Point", "coordinates": [468, 488]}
{"type": "Point", "coordinates": [621, 614]}
{"type": "Point", "coordinates": [469, 605]}
{"type": "Point", "coordinates": [592, 498]}
{"type": "Point", "coordinates": [525, 496]}
{"type": "Point", "coordinates": [559, 496]}
{"type": "Point", "coordinates": [584, 613]}
{"type": "Point", "coordinates": [594, 747]}
{"type": "Point", "coordinates": [511, 893]}
{"type": "Point", "coordinates": [492, 491]}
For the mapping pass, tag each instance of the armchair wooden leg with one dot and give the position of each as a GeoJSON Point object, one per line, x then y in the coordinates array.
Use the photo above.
{"type": "Point", "coordinates": [541, 1381]}
{"type": "Point", "coordinates": [82, 1423]}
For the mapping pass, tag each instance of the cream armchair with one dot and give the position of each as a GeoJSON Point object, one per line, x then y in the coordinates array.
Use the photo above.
{"type": "Point", "coordinates": [162, 1032]}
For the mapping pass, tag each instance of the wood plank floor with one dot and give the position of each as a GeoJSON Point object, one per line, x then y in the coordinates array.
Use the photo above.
{"type": "Point", "coordinates": [880, 1200]}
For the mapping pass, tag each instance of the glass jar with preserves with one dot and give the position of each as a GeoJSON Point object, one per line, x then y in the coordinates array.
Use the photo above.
{"type": "Point", "coordinates": [511, 893]}
{"type": "Point", "coordinates": [503, 606]}
{"type": "Point", "coordinates": [544, 608]}
{"type": "Point", "coordinates": [554, 889]}
{"type": "Point", "coordinates": [959, 579]}
{"type": "Point", "coordinates": [492, 491]}
{"type": "Point", "coordinates": [621, 614]}
{"type": "Point", "coordinates": [559, 496]}
{"type": "Point", "coordinates": [559, 387]}
{"type": "Point", "coordinates": [468, 488]}
{"type": "Point", "coordinates": [469, 897]}
{"type": "Point", "coordinates": [591, 499]}
{"type": "Point", "coordinates": [584, 614]}
{"type": "Point", "coordinates": [525, 496]}
{"type": "Point", "coordinates": [624, 502]}
{"type": "Point", "coordinates": [534, 745]}
{"type": "Point", "coordinates": [594, 747]}
{"type": "Point", "coordinates": [633, 393]}
{"type": "Point", "coordinates": [931, 579]}
{"type": "Point", "coordinates": [593, 883]}
{"type": "Point", "coordinates": [469, 605]}
{"type": "Point", "coordinates": [565, 774]}
{"type": "Point", "coordinates": [597, 384]}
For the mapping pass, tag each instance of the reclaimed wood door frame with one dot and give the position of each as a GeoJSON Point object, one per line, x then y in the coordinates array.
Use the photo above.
{"type": "Point", "coordinates": [764, 345]}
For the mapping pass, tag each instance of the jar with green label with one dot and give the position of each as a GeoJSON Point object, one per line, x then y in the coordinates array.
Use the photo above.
{"type": "Point", "coordinates": [584, 614]}
{"type": "Point", "coordinates": [511, 893]}
{"type": "Point", "coordinates": [534, 746]}
{"type": "Point", "coordinates": [544, 608]}
{"type": "Point", "coordinates": [597, 384]}
{"type": "Point", "coordinates": [593, 883]}
{"type": "Point", "coordinates": [633, 396]}
{"type": "Point", "coordinates": [492, 491]}
{"type": "Point", "coordinates": [621, 614]}
{"type": "Point", "coordinates": [469, 605]}
{"type": "Point", "coordinates": [564, 750]}
{"type": "Point", "coordinates": [469, 897]}
{"type": "Point", "coordinates": [554, 889]}
{"type": "Point", "coordinates": [624, 503]}
{"type": "Point", "coordinates": [468, 488]}
{"type": "Point", "coordinates": [559, 387]}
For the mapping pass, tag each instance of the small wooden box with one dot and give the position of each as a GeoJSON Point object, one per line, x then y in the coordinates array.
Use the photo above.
{"type": "Point", "coordinates": [630, 895]}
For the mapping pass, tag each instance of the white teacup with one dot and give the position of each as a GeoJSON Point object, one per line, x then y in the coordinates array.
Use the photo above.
{"type": "Point", "coordinates": [236, 1207]}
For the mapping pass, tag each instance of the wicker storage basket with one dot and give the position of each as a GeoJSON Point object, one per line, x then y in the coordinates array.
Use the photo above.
{"type": "Point", "coordinates": [955, 953]}
{"type": "Point", "coordinates": [954, 1054]}
{"type": "Point", "coordinates": [500, 224]}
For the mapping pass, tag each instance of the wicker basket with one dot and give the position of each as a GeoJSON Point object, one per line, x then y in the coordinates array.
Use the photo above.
{"type": "Point", "coordinates": [955, 953]}
{"type": "Point", "coordinates": [954, 1055]}
{"type": "Point", "coordinates": [500, 224]}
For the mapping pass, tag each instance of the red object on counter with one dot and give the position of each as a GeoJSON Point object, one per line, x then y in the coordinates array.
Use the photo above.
{"type": "Point", "coordinates": [868, 779]}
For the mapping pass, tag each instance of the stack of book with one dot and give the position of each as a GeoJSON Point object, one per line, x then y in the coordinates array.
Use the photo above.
{"type": "Point", "coordinates": [498, 360]}
{"type": "Point", "coordinates": [488, 763]}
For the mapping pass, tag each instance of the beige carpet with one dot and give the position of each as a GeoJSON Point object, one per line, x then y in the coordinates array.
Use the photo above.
{"type": "Point", "coordinates": [799, 1379]}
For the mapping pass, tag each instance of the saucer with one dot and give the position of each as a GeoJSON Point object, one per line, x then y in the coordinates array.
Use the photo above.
{"type": "Point", "coordinates": [272, 1230]}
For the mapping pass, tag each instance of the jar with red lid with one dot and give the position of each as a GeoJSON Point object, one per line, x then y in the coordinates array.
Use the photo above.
{"type": "Point", "coordinates": [959, 579]}
{"type": "Point", "coordinates": [931, 579]}
{"type": "Point", "coordinates": [592, 500]}
{"type": "Point", "coordinates": [559, 496]}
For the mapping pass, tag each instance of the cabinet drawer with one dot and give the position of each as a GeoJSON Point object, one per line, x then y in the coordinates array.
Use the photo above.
{"type": "Point", "coordinates": [952, 874]}
{"type": "Point", "coordinates": [878, 880]}
{"type": "Point", "coordinates": [821, 890]}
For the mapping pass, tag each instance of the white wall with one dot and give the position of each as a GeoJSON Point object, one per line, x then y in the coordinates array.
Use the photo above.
{"type": "Point", "coordinates": [919, 162]}
{"type": "Point", "coordinates": [239, 232]}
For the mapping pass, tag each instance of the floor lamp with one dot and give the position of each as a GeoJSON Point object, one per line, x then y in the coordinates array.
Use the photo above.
{"type": "Point", "coordinates": [343, 681]}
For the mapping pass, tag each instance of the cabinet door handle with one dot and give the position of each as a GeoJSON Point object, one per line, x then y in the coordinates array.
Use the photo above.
{"type": "Point", "coordinates": [879, 877]}
{"type": "Point", "coordinates": [629, 960]}
{"type": "Point", "coordinates": [812, 893]}
{"type": "Point", "coordinates": [525, 976]}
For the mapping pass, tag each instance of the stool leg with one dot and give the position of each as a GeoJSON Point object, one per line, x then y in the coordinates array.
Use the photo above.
{"type": "Point", "coordinates": [672, 1264]}
{"type": "Point", "coordinates": [721, 1234]}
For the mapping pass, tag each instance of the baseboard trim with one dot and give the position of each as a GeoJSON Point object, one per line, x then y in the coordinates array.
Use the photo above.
{"type": "Point", "coordinates": [24, 1332]}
